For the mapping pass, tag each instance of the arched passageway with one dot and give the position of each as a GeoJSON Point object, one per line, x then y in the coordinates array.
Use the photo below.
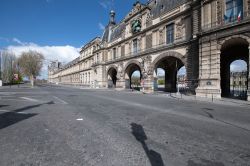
{"type": "Point", "coordinates": [234, 68]}
{"type": "Point", "coordinates": [133, 76]}
{"type": "Point", "coordinates": [166, 74]}
{"type": "Point", "coordinates": [112, 77]}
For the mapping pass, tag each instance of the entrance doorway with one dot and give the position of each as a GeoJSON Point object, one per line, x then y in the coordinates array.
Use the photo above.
{"type": "Point", "coordinates": [234, 69]}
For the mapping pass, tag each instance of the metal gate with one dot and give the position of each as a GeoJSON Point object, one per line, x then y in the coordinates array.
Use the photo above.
{"type": "Point", "coordinates": [238, 85]}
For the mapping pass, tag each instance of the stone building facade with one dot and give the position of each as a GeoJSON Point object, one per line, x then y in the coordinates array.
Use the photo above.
{"type": "Point", "coordinates": [205, 36]}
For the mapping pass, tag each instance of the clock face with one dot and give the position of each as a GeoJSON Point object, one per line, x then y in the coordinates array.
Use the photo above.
{"type": "Point", "coordinates": [136, 26]}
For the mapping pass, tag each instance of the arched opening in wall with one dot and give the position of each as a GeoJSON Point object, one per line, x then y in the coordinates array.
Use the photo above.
{"type": "Point", "coordinates": [112, 77]}
{"type": "Point", "coordinates": [136, 80]}
{"type": "Point", "coordinates": [159, 79]}
{"type": "Point", "coordinates": [133, 77]}
{"type": "Point", "coordinates": [234, 69]}
{"type": "Point", "coordinates": [238, 79]}
{"type": "Point", "coordinates": [182, 80]}
{"type": "Point", "coordinates": [169, 71]}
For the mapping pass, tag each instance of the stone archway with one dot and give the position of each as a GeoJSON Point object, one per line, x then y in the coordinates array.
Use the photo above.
{"type": "Point", "coordinates": [129, 69]}
{"type": "Point", "coordinates": [233, 48]}
{"type": "Point", "coordinates": [170, 63]}
{"type": "Point", "coordinates": [112, 77]}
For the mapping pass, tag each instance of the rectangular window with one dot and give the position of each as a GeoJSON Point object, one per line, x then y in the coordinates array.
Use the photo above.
{"type": "Point", "coordinates": [135, 46]}
{"type": "Point", "coordinates": [114, 53]}
{"type": "Point", "coordinates": [234, 10]}
{"type": "Point", "coordinates": [209, 15]}
{"type": "Point", "coordinates": [97, 57]}
{"type": "Point", "coordinates": [170, 34]}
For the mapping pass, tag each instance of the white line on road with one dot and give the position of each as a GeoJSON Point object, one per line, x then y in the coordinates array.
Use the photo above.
{"type": "Point", "coordinates": [4, 111]}
{"type": "Point", "coordinates": [60, 100]}
{"type": "Point", "coordinates": [29, 99]}
{"type": "Point", "coordinates": [7, 111]}
{"type": "Point", "coordinates": [80, 119]}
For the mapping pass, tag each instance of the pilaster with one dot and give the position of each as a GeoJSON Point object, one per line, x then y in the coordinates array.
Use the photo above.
{"type": "Point", "coordinates": [148, 84]}
{"type": "Point", "coordinates": [248, 89]}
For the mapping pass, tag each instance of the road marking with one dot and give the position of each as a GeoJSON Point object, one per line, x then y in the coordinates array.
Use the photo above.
{"type": "Point", "coordinates": [80, 119]}
{"type": "Point", "coordinates": [4, 111]}
{"type": "Point", "coordinates": [29, 99]}
{"type": "Point", "coordinates": [60, 100]}
{"type": "Point", "coordinates": [25, 113]}
{"type": "Point", "coordinates": [7, 111]}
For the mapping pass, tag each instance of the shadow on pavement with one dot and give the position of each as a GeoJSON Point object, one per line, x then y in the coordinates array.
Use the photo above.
{"type": "Point", "coordinates": [204, 162]}
{"type": "Point", "coordinates": [3, 106]}
{"type": "Point", "coordinates": [139, 134]}
{"type": "Point", "coordinates": [17, 115]}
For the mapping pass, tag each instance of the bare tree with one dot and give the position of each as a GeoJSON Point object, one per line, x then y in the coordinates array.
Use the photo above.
{"type": "Point", "coordinates": [7, 66]}
{"type": "Point", "coordinates": [30, 64]}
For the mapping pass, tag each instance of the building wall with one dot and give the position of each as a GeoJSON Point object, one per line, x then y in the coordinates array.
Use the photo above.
{"type": "Point", "coordinates": [200, 32]}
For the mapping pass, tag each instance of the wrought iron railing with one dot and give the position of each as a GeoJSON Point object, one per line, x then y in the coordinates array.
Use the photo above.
{"type": "Point", "coordinates": [227, 20]}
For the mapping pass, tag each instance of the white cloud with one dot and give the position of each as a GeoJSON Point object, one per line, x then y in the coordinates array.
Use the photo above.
{"type": "Point", "coordinates": [61, 53]}
{"type": "Point", "coordinates": [107, 4]}
{"type": "Point", "coordinates": [101, 26]}
{"type": "Point", "coordinates": [4, 39]}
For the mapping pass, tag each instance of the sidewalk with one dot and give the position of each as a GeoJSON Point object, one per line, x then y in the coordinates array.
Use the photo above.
{"type": "Point", "coordinates": [224, 101]}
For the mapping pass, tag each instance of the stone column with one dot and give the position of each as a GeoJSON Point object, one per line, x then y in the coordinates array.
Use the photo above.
{"type": "Point", "coordinates": [120, 83]}
{"type": "Point", "coordinates": [170, 80]}
{"type": "Point", "coordinates": [148, 83]}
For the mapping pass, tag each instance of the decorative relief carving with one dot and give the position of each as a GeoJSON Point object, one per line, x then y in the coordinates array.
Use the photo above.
{"type": "Point", "coordinates": [180, 29]}
{"type": "Point", "coordinates": [147, 68]}
{"type": "Point", "coordinates": [130, 46]}
{"type": "Point", "coordinates": [137, 7]}
{"type": "Point", "coordinates": [148, 18]}
{"type": "Point", "coordinates": [161, 40]}
{"type": "Point", "coordinates": [119, 70]}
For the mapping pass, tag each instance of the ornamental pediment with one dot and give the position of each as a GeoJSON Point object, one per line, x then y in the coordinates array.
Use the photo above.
{"type": "Point", "coordinates": [136, 9]}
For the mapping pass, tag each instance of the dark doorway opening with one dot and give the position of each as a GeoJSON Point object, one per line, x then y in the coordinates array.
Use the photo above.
{"type": "Point", "coordinates": [234, 69]}
{"type": "Point", "coordinates": [112, 78]}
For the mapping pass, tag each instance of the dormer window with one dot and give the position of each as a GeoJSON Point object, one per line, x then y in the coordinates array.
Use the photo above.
{"type": "Point", "coordinates": [162, 7]}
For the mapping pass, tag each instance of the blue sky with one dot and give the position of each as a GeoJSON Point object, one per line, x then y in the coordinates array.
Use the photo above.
{"type": "Point", "coordinates": [57, 22]}
{"type": "Point", "coordinates": [56, 28]}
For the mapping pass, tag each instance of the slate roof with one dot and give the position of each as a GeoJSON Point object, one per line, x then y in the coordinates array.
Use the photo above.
{"type": "Point", "coordinates": [113, 31]}
{"type": "Point", "coordinates": [163, 6]}
{"type": "Point", "coordinates": [71, 63]}
{"type": "Point", "coordinates": [117, 31]}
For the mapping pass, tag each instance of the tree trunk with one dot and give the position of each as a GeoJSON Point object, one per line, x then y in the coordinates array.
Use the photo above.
{"type": "Point", "coordinates": [32, 80]}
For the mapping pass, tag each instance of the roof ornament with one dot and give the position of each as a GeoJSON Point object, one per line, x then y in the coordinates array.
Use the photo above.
{"type": "Point", "coordinates": [112, 17]}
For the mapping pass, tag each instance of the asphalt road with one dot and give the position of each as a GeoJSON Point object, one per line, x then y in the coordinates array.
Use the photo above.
{"type": "Point", "coordinates": [59, 126]}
